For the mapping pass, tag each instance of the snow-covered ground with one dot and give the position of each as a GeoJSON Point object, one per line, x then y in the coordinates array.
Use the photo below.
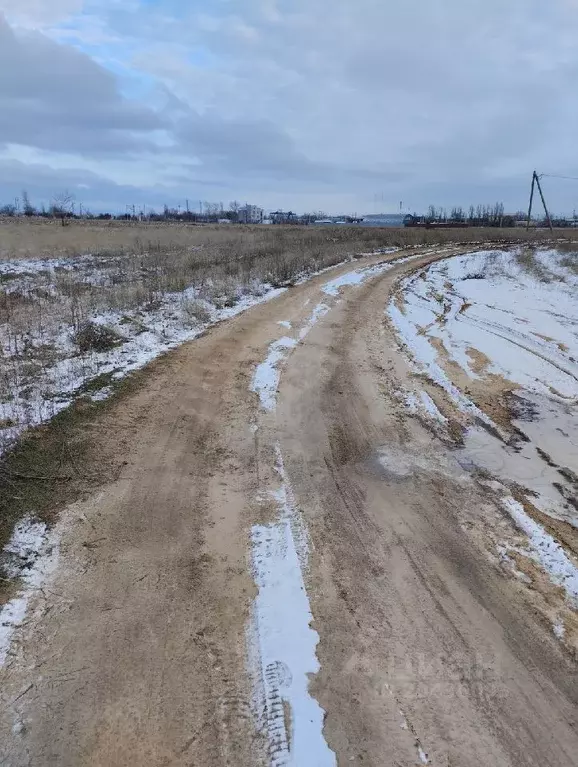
{"type": "Point", "coordinates": [44, 370]}
{"type": "Point", "coordinates": [504, 324]}
{"type": "Point", "coordinates": [522, 319]}
{"type": "Point", "coordinates": [507, 320]}
{"type": "Point", "coordinates": [31, 555]}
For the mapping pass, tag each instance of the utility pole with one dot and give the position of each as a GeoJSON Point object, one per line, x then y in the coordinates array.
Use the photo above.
{"type": "Point", "coordinates": [536, 181]}
{"type": "Point", "coordinates": [544, 202]}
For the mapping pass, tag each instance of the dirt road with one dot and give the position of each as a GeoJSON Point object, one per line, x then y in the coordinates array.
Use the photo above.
{"type": "Point", "coordinates": [135, 652]}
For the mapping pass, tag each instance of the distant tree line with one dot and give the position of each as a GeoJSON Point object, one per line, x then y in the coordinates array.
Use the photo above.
{"type": "Point", "coordinates": [479, 215]}
{"type": "Point", "coordinates": [63, 206]}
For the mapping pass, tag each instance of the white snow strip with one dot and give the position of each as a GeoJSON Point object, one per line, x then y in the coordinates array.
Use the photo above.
{"type": "Point", "coordinates": [425, 359]}
{"type": "Point", "coordinates": [559, 630]}
{"type": "Point", "coordinates": [423, 403]}
{"type": "Point", "coordinates": [286, 643]}
{"type": "Point", "coordinates": [285, 324]}
{"type": "Point", "coordinates": [358, 276]}
{"type": "Point", "coordinates": [317, 313]}
{"type": "Point", "coordinates": [32, 555]}
{"type": "Point", "coordinates": [422, 756]}
{"type": "Point", "coordinates": [547, 552]}
{"type": "Point", "coordinates": [349, 278]}
{"type": "Point", "coordinates": [266, 379]}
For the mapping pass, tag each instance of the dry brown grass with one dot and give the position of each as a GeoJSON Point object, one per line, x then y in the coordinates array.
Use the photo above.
{"type": "Point", "coordinates": [526, 258]}
{"type": "Point", "coordinates": [39, 238]}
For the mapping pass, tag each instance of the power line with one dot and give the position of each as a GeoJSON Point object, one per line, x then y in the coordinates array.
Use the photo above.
{"type": "Point", "coordinates": [553, 175]}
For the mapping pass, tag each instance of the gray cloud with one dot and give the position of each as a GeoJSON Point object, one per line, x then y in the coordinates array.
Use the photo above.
{"type": "Point", "coordinates": [57, 98]}
{"type": "Point", "coordinates": [260, 151]}
{"type": "Point", "coordinates": [43, 182]}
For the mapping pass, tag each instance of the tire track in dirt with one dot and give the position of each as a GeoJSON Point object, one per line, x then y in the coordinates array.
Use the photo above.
{"type": "Point", "coordinates": [405, 600]}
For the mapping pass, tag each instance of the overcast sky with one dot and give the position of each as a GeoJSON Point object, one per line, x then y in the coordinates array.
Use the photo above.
{"type": "Point", "coordinates": [339, 105]}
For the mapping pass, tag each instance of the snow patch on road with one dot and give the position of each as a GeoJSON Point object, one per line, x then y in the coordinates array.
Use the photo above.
{"type": "Point", "coordinates": [545, 550]}
{"type": "Point", "coordinates": [317, 313]}
{"type": "Point", "coordinates": [358, 276]}
{"type": "Point", "coordinates": [424, 357]}
{"type": "Point", "coordinates": [266, 379]}
{"type": "Point", "coordinates": [30, 555]}
{"type": "Point", "coordinates": [333, 287]}
{"type": "Point", "coordinates": [422, 403]}
{"type": "Point", "coordinates": [559, 630]}
{"type": "Point", "coordinates": [286, 643]}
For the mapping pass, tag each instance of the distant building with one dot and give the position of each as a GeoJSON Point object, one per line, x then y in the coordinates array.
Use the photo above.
{"type": "Point", "coordinates": [250, 214]}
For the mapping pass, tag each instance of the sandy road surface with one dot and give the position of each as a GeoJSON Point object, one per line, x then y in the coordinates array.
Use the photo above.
{"type": "Point", "coordinates": [136, 651]}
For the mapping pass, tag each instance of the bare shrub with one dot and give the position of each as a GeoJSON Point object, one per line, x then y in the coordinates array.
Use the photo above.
{"type": "Point", "coordinates": [196, 310]}
{"type": "Point", "coordinates": [96, 338]}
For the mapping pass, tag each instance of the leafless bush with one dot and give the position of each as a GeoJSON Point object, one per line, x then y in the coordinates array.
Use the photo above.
{"type": "Point", "coordinates": [92, 337]}
{"type": "Point", "coordinates": [196, 310]}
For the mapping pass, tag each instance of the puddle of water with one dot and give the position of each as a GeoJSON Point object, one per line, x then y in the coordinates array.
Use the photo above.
{"type": "Point", "coordinates": [554, 429]}
{"type": "Point", "coordinates": [397, 464]}
{"type": "Point", "coordinates": [524, 465]}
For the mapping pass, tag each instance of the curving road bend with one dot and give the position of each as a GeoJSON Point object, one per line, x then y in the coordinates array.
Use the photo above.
{"type": "Point", "coordinates": [287, 571]}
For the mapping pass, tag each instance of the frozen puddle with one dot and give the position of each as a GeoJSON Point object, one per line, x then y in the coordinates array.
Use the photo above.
{"type": "Point", "coordinates": [286, 643]}
{"type": "Point", "coordinates": [523, 465]}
